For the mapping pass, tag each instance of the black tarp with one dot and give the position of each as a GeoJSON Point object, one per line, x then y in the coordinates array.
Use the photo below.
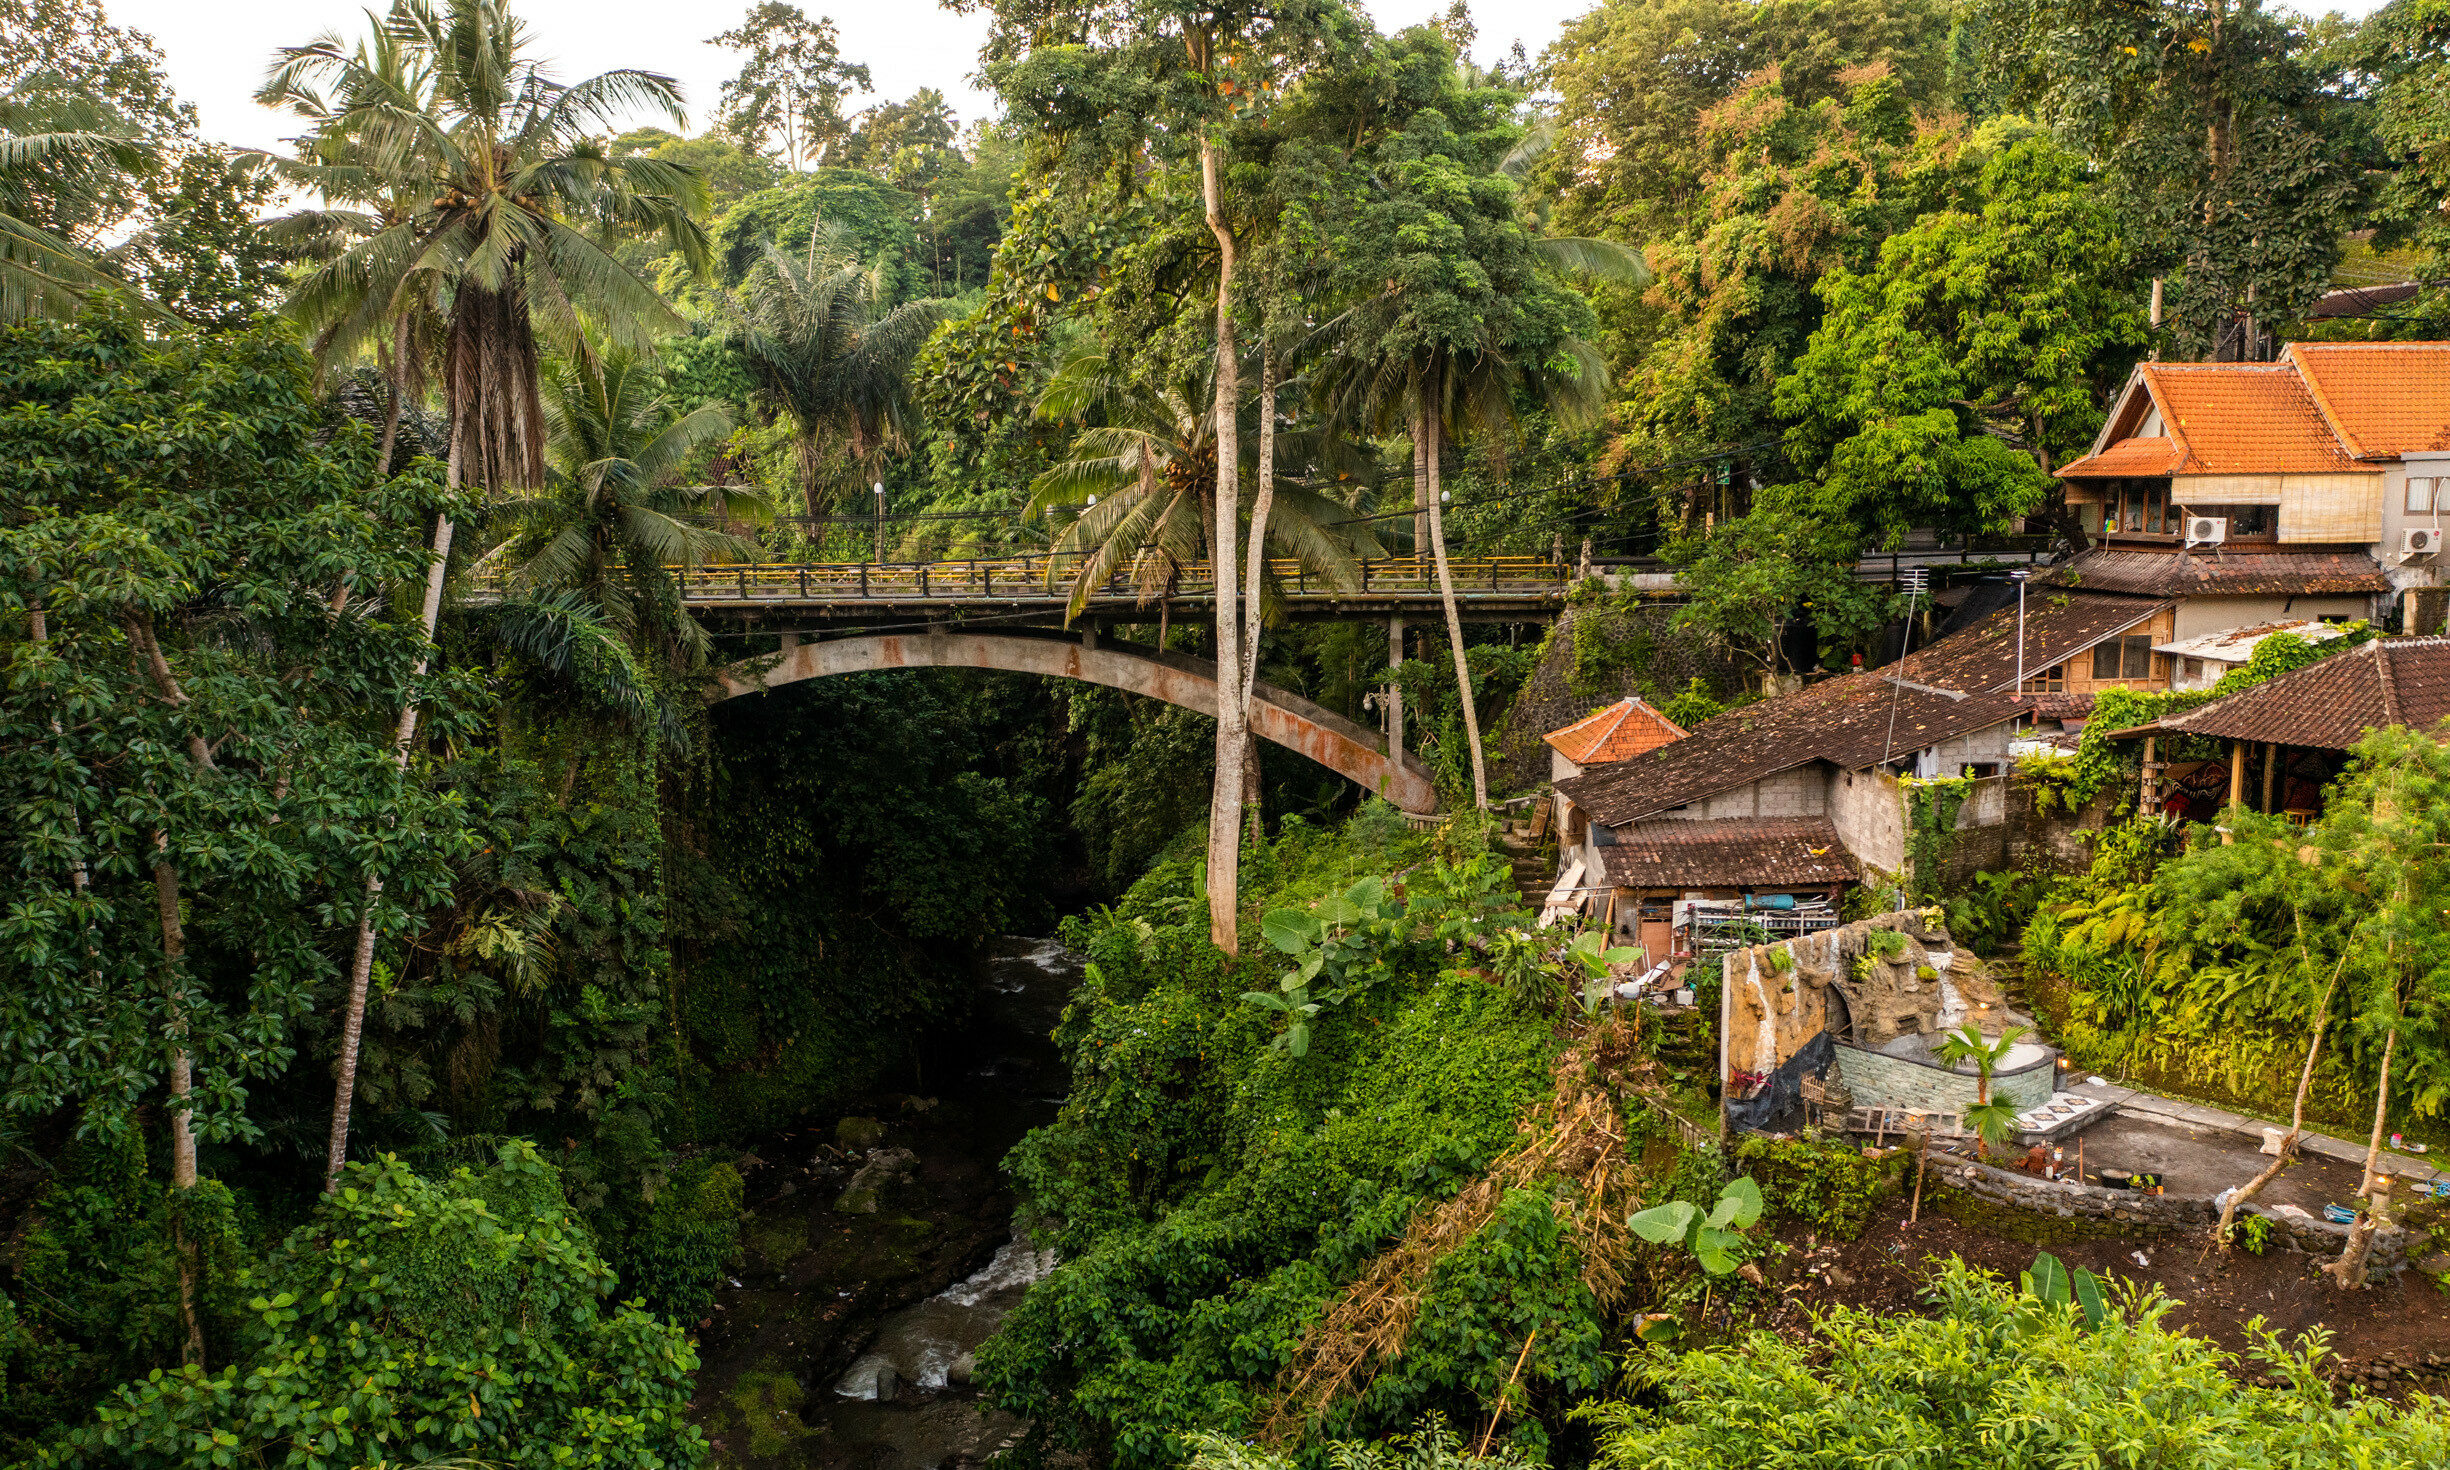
{"type": "Point", "coordinates": [1784, 1094]}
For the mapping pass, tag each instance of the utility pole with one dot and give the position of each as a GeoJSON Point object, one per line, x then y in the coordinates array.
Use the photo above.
{"type": "Point", "coordinates": [2019, 579]}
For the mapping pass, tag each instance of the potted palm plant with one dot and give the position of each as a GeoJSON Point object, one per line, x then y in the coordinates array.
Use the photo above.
{"type": "Point", "coordinates": [1991, 1120]}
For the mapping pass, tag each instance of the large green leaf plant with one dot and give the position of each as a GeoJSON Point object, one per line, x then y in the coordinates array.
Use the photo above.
{"type": "Point", "coordinates": [1339, 947]}
{"type": "Point", "coordinates": [1715, 1239]}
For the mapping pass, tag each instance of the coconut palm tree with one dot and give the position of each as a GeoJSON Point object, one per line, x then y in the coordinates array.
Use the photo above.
{"type": "Point", "coordinates": [476, 172]}
{"type": "Point", "coordinates": [827, 352]}
{"type": "Point", "coordinates": [50, 154]}
{"type": "Point", "coordinates": [614, 519]}
{"type": "Point", "coordinates": [1443, 384]}
{"type": "Point", "coordinates": [1138, 485]}
{"type": "Point", "coordinates": [478, 177]}
{"type": "Point", "coordinates": [388, 78]}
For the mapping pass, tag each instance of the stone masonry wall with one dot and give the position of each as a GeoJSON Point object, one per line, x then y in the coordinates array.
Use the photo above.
{"type": "Point", "coordinates": [1895, 1082]}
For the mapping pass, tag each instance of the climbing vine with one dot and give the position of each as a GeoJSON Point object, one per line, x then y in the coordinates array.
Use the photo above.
{"type": "Point", "coordinates": [1931, 828]}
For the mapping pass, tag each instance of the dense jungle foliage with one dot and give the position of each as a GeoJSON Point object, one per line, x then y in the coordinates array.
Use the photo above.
{"type": "Point", "coordinates": [404, 952]}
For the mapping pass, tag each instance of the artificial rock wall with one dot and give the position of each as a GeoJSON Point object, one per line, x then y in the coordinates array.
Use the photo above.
{"type": "Point", "coordinates": [1778, 999]}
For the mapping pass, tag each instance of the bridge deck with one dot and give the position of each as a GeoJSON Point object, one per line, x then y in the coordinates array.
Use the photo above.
{"type": "Point", "coordinates": [1532, 587]}
{"type": "Point", "coordinates": [1489, 588]}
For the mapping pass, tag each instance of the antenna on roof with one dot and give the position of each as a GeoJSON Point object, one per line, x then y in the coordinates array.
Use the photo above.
{"type": "Point", "coordinates": [1913, 579]}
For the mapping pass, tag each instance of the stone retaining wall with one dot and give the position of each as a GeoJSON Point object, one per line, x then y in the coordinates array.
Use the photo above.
{"type": "Point", "coordinates": [1879, 1080]}
{"type": "Point", "coordinates": [2070, 1200]}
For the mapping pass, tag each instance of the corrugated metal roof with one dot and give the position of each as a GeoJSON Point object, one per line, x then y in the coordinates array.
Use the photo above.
{"type": "Point", "coordinates": [1613, 733]}
{"type": "Point", "coordinates": [2236, 645]}
{"type": "Point", "coordinates": [1742, 852]}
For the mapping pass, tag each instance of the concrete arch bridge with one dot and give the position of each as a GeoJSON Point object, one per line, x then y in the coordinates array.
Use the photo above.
{"type": "Point", "coordinates": [1350, 750]}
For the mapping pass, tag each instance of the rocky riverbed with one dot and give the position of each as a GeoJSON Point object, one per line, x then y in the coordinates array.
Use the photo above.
{"type": "Point", "coordinates": [880, 1253]}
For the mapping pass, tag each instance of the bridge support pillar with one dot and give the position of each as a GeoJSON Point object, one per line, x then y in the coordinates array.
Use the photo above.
{"type": "Point", "coordinates": [1395, 696]}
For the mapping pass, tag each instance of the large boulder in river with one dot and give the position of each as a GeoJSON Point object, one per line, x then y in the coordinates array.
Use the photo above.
{"type": "Point", "coordinates": [886, 1171]}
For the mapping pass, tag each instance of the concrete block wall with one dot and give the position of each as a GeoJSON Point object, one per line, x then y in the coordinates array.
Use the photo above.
{"type": "Point", "coordinates": [2173, 1213]}
{"type": "Point", "coordinates": [1863, 806]}
{"type": "Point", "coordinates": [1896, 1082]}
{"type": "Point", "coordinates": [1797, 793]}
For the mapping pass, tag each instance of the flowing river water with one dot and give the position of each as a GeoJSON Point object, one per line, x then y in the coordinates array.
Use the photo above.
{"type": "Point", "coordinates": [845, 1339]}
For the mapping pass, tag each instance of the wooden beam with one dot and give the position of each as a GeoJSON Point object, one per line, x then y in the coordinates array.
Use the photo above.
{"type": "Point", "coordinates": [2237, 783]}
{"type": "Point", "coordinates": [2271, 767]}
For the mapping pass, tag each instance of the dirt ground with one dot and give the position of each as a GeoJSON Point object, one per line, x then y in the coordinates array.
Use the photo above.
{"type": "Point", "coordinates": [2392, 1338]}
{"type": "Point", "coordinates": [2201, 1162]}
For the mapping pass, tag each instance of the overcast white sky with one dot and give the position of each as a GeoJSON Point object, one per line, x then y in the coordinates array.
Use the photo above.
{"type": "Point", "coordinates": [218, 50]}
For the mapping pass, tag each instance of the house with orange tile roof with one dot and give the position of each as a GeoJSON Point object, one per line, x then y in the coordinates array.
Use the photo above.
{"type": "Point", "coordinates": [1611, 733]}
{"type": "Point", "coordinates": [2316, 486]}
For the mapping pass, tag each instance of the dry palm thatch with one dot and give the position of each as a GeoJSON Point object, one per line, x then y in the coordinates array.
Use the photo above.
{"type": "Point", "coordinates": [1575, 1136]}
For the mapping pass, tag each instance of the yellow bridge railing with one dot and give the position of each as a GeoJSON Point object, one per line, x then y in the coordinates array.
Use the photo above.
{"type": "Point", "coordinates": [1050, 578]}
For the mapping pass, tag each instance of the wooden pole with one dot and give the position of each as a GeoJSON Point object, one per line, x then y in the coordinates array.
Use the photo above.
{"type": "Point", "coordinates": [2271, 770]}
{"type": "Point", "coordinates": [2144, 807]}
{"type": "Point", "coordinates": [2237, 784]}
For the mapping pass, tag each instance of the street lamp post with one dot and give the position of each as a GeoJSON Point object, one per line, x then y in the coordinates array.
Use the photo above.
{"type": "Point", "coordinates": [880, 523]}
{"type": "Point", "coordinates": [2018, 578]}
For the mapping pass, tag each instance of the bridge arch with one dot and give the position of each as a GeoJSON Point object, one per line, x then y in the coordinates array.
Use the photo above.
{"type": "Point", "coordinates": [1289, 720]}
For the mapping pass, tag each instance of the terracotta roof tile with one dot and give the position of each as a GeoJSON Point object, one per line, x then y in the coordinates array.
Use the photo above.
{"type": "Point", "coordinates": [2231, 573]}
{"type": "Point", "coordinates": [1740, 852]}
{"type": "Point", "coordinates": [2383, 398]}
{"type": "Point", "coordinates": [1962, 683]}
{"type": "Point", "coordinates": [2141, 458]}
{"type": "Point", "coordinates": [1613, 733]}
{"type": "Point", "coordinates": [2240, 418]}
{"type": "Point", "coordinates": [2330, 705]}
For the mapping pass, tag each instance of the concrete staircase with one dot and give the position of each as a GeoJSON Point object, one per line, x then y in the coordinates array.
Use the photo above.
{"type": "Point", "coordinates": [1532, 859]}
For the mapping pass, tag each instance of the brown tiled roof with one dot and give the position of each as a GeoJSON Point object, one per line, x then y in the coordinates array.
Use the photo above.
{"type": "Point", "coordinates": [2136, 457]}
{"type": "Point", "coordinates": [1964, 682]}
{"type": "Point", "coordinates": [1738, 852]}
{"type": "Point", "coordinates": [1614, 732]}
{"type": "Point", "coordinates": [2331, 704]}
{"type": "Point", "coordinates": [2382, 398]}
{"type": "Point", "coordinates": [2232, 572]}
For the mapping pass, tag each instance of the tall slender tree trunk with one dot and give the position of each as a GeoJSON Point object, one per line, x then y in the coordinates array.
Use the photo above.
{"type": "Point", "coordinates": [2296, 1120]}
{"type": "Point", "coordinates": [1225, 796]}
{"type": "Point", "coordinates": [1425, 440]}
{"type": "Point", "coordinates": [182, 1094]}
{"type": "Point", "coordinates": [148, 651]}
{"type": "Point", "coordinates": [361, 963]}
{"type": "Point", "coordinates": [1420, 493]}
{"type": "Point", "coordinates": [2348, 1272]}
{"type": "Point", "coordinates": [1262, 502]}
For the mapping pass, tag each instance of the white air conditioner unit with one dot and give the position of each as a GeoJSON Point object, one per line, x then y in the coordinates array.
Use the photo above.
{"type": "Point", "coordinates": [2419, 541]}
{"type": "Point", "coordinates": [2206, 530]}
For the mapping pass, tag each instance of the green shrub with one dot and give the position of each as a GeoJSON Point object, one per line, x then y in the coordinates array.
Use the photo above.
{"type": "Point", "coordinates": [1209, 1191]}
{"type": "Point", "coordinates": [1997, 1381]}
{"type": "Point", "coordinates": [417, 1319]}
{"type": "Point", "coordinates": [1824, 1183]}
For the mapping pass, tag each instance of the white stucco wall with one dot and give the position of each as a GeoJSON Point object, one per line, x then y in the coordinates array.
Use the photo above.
{"type": "Point", "coordinates": [2198, 616]}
